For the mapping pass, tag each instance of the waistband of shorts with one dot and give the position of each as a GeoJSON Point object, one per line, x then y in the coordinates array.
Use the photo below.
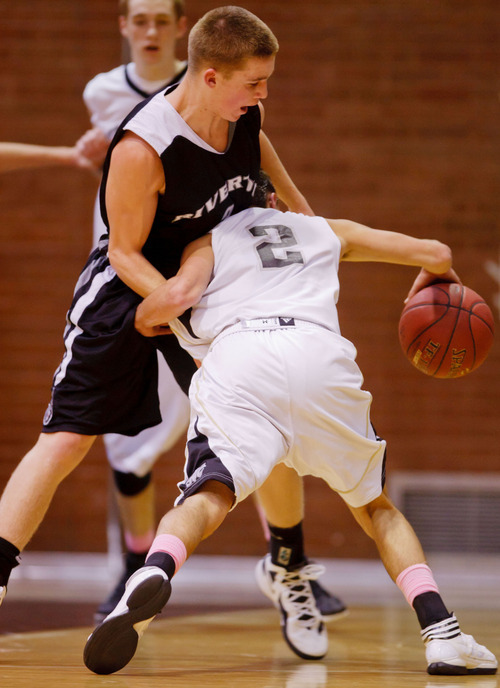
{"type": "Point", "coordinates": [276, 323]}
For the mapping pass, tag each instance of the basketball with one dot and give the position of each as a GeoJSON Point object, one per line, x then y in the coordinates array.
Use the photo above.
{"type": "Point", "coordinates": [446, 330]}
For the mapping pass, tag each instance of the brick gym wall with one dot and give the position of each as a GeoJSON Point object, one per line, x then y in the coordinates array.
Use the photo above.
{"type": "Point", "coordinates": [387, 113]}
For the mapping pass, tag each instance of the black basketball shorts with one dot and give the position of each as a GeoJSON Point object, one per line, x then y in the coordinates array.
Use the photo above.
{"type": "Point", "coordinates": [107, 381]}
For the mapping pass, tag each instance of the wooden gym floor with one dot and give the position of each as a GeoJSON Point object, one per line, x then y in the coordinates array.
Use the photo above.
{"type": "Point", "coordinates": [219, 631]}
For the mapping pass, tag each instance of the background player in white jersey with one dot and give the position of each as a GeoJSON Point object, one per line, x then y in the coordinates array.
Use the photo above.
{"type": "Point", "coordinates": [279, 384]}
{"type": "Point", "coordinates": [151, 29]}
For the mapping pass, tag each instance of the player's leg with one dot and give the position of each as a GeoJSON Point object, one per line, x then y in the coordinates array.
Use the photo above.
{"type": "Point", "coordinates": [281, 503]}
{"type": "Point", "coordinates": [132, 460]}
{"type": "Point", "coordinates": [134, 497]}
{"type": "Point", "coordinates": [261, 446]}
{"type": "Point", "coordinates": [350, 457]}
{"type": "Point", "coordinates": [30, 489]}
{"type": "Point", "coordinates": [396, 540]}
{"type": "Point", "coordinates": [113, 643]}
{"type": "Point", "coordinates": [448, 650]}
{"type": "Point", "coordinates": [219, 425]}
{"type": "Point", "coordinates": [282, 500]}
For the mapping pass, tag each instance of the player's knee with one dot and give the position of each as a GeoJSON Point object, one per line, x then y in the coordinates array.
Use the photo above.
{"type": "Point", "coordinates": [378, 515]}
{"type": "Point", "coordinates": [129, 484]}
{"type": "Point", "coordinates": [380, 504]}
{"type": "Point", "coordinates": [220, 501]}
{"type": "Point", "coordinates": [210, 504]}
{"type": "Point", "coordinates": [62, 451]}
{"type": "Point", "coordinates": [367, 514]}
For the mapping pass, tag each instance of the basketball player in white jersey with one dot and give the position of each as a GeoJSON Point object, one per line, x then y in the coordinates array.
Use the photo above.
{"type": "Point", "coordinates": [279, 384]}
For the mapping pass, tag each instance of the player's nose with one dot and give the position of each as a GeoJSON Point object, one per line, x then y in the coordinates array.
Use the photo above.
{"type": "Point", "coordinates": [262, 91]}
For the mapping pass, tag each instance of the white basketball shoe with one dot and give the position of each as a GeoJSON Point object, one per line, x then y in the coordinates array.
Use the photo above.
{"type": "Point", "coordinates": [450, 652]}
{"type": "Point", "coordinates": [290, 591]}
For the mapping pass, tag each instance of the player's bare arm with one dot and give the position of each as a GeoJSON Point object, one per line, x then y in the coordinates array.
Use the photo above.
{"type": "Point", "coordinates": [361, 243]}
{"type": "Point", "coordinates": [180, 292]}
{"type": "Point", "coordinates": [135, 180]}
{"type": "Point", "coordinates": [285, 188]}
{"type": "Point", "coordinates": [17, 156]}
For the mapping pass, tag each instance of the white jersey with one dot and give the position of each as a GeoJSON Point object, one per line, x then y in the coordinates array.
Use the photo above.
{"type": "Point", "coordinates": [109, 98]}
{"type": "Point", "coordinates": [268, 264]}
{"type": "Point", "coordinates": [279, 383]}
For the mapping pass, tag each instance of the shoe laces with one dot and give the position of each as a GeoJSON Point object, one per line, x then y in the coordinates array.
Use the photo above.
{"type": "Point", "coordinates": [297, 598]}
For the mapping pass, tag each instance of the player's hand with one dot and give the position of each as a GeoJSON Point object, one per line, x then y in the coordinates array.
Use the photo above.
{"type": "Point", "coordinates": [426, 278]}
{"type": "Point", "coordinates": [79, 160]}
{"type": "Point", "coordinates": [93, 146]}
{"type": "Point", "coordinates": [153, 331]}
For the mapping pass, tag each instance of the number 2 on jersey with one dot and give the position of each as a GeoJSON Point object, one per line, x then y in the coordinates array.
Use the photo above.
{"type": "Point", "coordinates": [266, 248]}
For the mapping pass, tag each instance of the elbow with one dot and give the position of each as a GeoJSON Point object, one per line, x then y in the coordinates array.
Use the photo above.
{"type": "Point", "coordinates": [124, 263]}
{"type": "Point", "coordinates": [441, 259]}
{"type": "Point", "coordinates": [115, 257]}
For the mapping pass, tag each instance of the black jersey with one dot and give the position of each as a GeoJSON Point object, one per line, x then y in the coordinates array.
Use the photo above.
{"type": "Point", "coordinates": [107, 381]}
{"type": "Point", "coordinates": [202, 185]}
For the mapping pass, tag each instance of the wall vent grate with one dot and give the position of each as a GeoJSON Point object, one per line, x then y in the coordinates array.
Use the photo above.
{"type": "Point", "coordinates": [450, 512]}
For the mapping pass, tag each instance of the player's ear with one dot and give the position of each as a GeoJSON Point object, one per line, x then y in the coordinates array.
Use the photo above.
{"type": "Point", "coordinates": [181, 27]}
{"type": "Point", "coordinates": [210, 77]}
{"type": "Point", "coordinates": [122, 25]}
{"type": "Point", "coordinates": [272, 200]}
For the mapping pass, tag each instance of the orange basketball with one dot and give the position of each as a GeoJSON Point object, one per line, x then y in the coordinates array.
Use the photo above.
{"type": "Point", "coordinates": [446, 330]}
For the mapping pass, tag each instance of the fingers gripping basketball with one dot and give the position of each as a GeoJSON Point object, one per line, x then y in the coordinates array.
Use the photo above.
{"type": "Point", "coordinates": [446, 330]}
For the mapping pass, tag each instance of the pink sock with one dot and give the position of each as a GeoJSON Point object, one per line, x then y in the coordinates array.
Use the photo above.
{"type": "Point", "coordinates": [263, 521]}
{"type": "Point", "coordinates": [415, 580]}
{"type": "Point", "coordinates": [139, 543]}
{"type": "Point", "coordinates": [170, 544]}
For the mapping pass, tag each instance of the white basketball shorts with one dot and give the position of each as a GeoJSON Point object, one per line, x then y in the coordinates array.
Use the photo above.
{"type": "Point", "coordinates": [288, 394]}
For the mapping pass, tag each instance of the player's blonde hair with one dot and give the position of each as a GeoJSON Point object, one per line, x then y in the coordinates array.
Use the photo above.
{"type": "Point", "coordinates": [178, 5]}
{"type": "Point", "coordinates": [227, 36]}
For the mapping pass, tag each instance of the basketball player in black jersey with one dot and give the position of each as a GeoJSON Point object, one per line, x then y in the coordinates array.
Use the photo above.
{"type": "Point", "coordinates": [208, 131]}
{"type": "Point", "coordinates": [107, 96]}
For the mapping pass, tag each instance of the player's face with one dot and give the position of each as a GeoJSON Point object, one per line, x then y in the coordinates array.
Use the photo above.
{"type": "Point", "coordinates": [244, 87]}
{"type": "Point", "coordinates": [152, 29]}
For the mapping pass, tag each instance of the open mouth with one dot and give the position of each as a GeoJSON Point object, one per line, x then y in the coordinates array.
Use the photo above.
{"type": "Point", "coordinates": [151, 48]}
